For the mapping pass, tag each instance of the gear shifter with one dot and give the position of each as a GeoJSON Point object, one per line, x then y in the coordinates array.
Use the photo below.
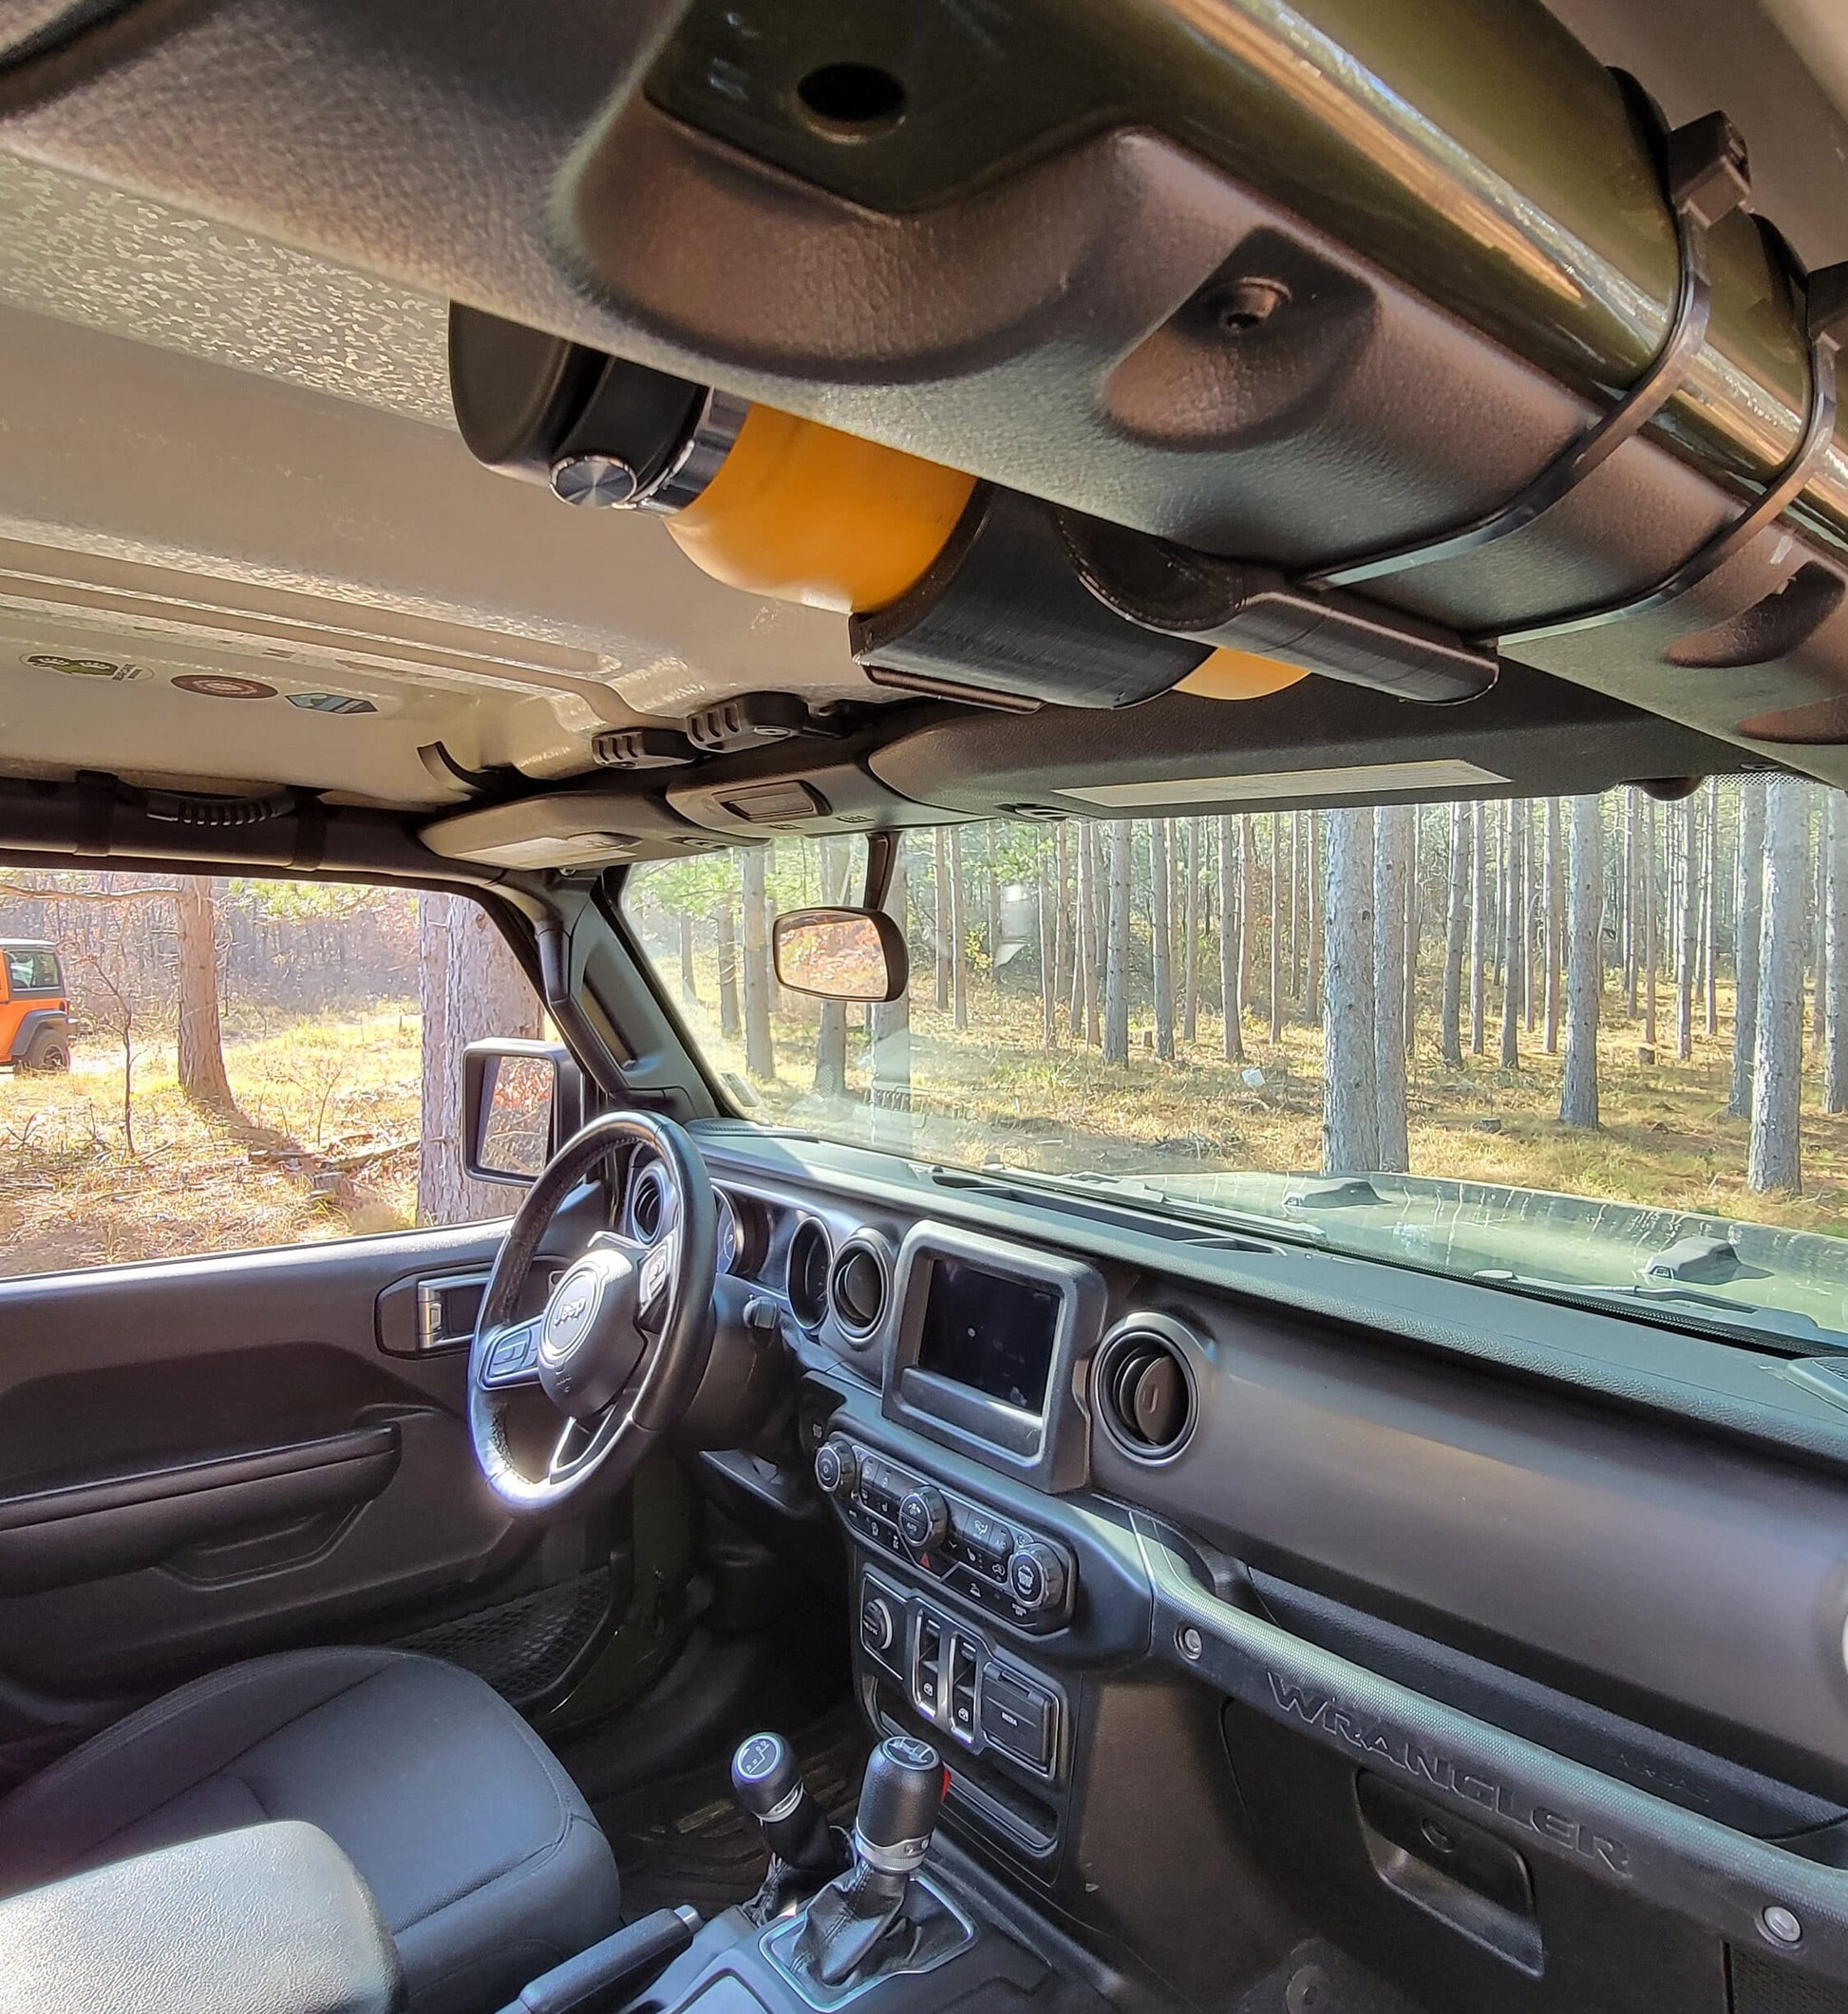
{"type": "Point", "coordinates": [805, 1851]}
{"type": "Point", "coordinates": [898, 1802]}
{"type": "Point", "coordinates": [767, 1781]}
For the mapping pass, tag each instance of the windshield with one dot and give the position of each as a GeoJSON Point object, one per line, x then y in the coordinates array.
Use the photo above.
{"type": "Point", "coordinates": [1583, 1044]}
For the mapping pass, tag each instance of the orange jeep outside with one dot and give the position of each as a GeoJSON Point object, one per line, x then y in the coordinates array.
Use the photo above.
{"type": "Point", "coordinates": [34, 1013]}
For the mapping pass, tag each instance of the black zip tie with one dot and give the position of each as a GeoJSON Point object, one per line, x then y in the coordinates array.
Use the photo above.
{"type": "Point", "coordinates": [1706, 177]}
{"type": "Point", "coordinates": [1825, 323]}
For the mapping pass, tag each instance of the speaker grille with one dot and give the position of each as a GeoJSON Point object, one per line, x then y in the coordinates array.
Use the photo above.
{"type": "Point", "coordinates": [1767, 1986]}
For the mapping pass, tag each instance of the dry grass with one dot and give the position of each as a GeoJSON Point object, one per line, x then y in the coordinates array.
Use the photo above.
{"type": "Point", "coordinates": [1665, 1138]}
{"type": "Point", "coordinates": [310, 1092]}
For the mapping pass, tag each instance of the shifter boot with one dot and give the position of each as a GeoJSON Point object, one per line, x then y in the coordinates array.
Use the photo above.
{"type": "Point", "coordinates": [848, 1921]}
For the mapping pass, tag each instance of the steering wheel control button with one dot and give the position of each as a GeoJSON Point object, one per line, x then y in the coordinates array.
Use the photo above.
{"type": "Point", "coordinates": [515, 1353]}
{"type": "Point", "coordinates": [923, 1518]}
{"type": "Point", "coordinates": [837, 1466]}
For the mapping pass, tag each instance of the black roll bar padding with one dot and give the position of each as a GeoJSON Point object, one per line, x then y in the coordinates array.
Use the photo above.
{"type": "Point", "coordinates": [1825, 323]}
{"type": "Point", "coordinates": [1705, 177]}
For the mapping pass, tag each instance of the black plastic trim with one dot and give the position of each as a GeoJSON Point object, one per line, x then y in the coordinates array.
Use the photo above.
{"type": "Point", "coordinates": [85, 1531]}
{"type": "Point", "coordinates": [1619, 1836]}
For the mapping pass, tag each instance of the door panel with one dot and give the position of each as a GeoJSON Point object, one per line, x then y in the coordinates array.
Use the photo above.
{"type": "Point", "coordinates": [202, 1460]}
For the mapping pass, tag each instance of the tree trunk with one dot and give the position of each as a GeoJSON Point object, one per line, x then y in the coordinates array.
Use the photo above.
{"type": "Point", "coordinates": [1190, 1001]}
{"type": "Point", "coordinates": [727, 931]}
{"type": "Point", "coordinates": [1632, 917]}
{"type": "Point", "coordinates": [1061, 959]}
{"type": "Point", "coordinates": [1161, 892]}
{"type": "Point", "coordinates": [890, 1034]}
{"type": "Point", "coordinates": [1116, 954]}
{"type": "Point", "coordinates": [1349, 1107]}
{"type": "Point", "coordinates": [1584, 977]}
{"type": "Point", "coordinates": [1295, 907]}
{"type": "Point", "coordinates": [1651, 924]}
{"type": "Point", "coordinates": [1511, 933]}
{"type": "Point", "coordinates": [201, 1038]}
{"type": "Point", "coordinates": [1392, 860]}
{"type": "Point", "coordinates": [1312, 993]}
{"type": "Point", "coordinates": [688, 984]}
{"type": "Point", "coordinates": [1048, 962]}
{"type": "Point", "coordinates": [1276, 994]}
{"type": "Point", "coordinates": [1835, 1089]}
{"type": "Point", "coordinates": [1688, 926]}
{"type": "Point", "coordinates": [940, 898]}
{"type": "Point", "coordinates": [1709, 908]}
{"type": "Point", "coordinates": [760, 1052]}
{"type": "Point", "coordinates": [1555, 924]}
{"type": "Point", "coordinates": [1090, 871]}
{"type": "Point", "coordinates": [1231, 962]}
{"type": "Point", "coordinates": [1478, 913]}
{"type": "Point", "coordinates": [470, 985]}
{"type": "Point", "coordinates": [959, 935]}
{"type": "Point", "coordinates": [1456, 929]}
{"type": "Point", "coordinates": [1817, 850]}
{"type": "Point", "coordinates": [1414, 930]}
{"type": "Point", "coordinates": [1527, 877]}
{"type": "Point", "coordinates": [1748, 925]}
{"type": "Point", "coordinates": [991, 843]}
{"type": "Point", "coordinates": [1774, 1162]}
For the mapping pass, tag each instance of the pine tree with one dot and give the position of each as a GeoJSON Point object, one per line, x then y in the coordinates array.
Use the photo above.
{"type": "Point", "coordinates": [1774, 1162]}
{"type": "Point", "coordinates": [1161, 897]}
{"type": "Point", "coordinates": [1116, 957]}
{"type": "Point", "coordinates": [1749, 910]}
{"type": "Point", "coordinates": [1349, 1106]}
{"type": "Point", "coordinates": [1450, 1036]}
{"type": "Point", "coordinates": [1584, 975]}
{"type": "Point", "coordinates": [1393, 863]}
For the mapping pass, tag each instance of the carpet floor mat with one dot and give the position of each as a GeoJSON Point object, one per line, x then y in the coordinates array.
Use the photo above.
{"type": "Point", "coordinates": [683, 1840]}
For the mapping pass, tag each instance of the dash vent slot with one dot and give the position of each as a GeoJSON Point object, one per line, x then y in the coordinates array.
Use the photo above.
{"type": "Point", "coordinates": [1143, 1389]}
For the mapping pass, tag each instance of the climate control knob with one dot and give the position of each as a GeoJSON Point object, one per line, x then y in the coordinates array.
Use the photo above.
{"type": "Point", "coordinates": [1036, 1578]}
{"type": "Point", "coordinates": [837, 1466]}
{"type": "Point", "coordinates": [923, 1518]}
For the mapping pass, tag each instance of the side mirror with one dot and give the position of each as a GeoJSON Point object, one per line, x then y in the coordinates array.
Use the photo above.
{"type": "Point", "coordinates": [521, 1101]}
{"type": "Point", "coordinates": [841, 954]}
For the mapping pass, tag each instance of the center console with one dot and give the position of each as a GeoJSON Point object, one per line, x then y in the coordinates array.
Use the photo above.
{"type": "Point", "coordinates": [977, 1585]}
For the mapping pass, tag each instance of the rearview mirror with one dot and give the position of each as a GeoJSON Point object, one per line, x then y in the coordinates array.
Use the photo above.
{"type": "Point", "coordinates": [841, 954]}
{"type": "Point", "coordinates": [520, 1101]}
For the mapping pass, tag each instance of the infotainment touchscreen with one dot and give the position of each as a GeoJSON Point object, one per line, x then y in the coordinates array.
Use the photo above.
{"type": "Point", "coordinates": [989, 1332]}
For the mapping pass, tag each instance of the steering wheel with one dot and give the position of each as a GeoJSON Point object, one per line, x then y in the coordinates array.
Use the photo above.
{"type": "Point", "coordinates": [624, 1339]}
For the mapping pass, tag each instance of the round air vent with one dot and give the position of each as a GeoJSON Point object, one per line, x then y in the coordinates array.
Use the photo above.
{"type": "Point", "coordinates": [810, 1256]}
{"type": "Point", "coordinates": [1143, 1389]}
{"type": "Point", "coordinates": [859, 1287]}
{"type": "Point", "coordinates": [647, 1201]}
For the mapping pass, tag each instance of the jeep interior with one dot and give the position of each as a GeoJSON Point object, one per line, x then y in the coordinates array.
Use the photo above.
{"type": "Point", "coordinates": [1145, 702]}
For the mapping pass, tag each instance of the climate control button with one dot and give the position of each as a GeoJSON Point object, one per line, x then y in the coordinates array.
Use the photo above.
{"type": "Point", "coordinates": [837, 1466]}
{"type": "Point", "coordinates": [923, 1518]}
{"type": "Point", "coordinates": [1036, 1577]}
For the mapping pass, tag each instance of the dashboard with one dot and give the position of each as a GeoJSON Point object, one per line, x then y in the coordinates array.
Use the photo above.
{"type": "Point", "coordinates": [1348, 1556]}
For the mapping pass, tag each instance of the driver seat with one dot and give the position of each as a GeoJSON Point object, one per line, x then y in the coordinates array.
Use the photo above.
{"type": "Point", "coordinates": [485, 1861]}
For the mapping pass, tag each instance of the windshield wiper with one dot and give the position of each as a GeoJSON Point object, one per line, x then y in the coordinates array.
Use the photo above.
{"type": "Point", "coordinates": [1673, 1306]}
{"type": "Point", "coordinates": [1136, 1192]}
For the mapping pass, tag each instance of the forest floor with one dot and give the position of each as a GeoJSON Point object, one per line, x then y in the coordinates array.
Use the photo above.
{"type": "Point", "coordinates": [322, 1145]}
{"type": "Point", "coordinates": [1665, 1137]}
